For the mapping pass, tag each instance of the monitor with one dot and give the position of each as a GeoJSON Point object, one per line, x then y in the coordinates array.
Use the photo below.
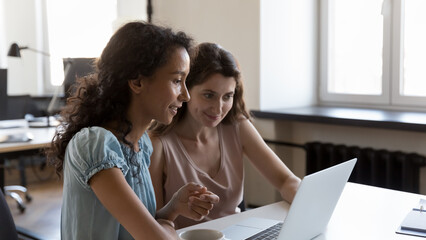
{"type": "Point", "coordinates": [76, 67]}
{"type": "Point", "coordinates": [3, 93]}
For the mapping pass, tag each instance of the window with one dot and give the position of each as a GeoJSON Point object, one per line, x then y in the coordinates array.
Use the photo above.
{"type": "Point", "coordinates": [77, 28]}
{"type": "Point", "coordinates": [372, 52]}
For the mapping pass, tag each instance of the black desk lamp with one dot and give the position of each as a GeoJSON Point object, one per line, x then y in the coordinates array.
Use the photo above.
{"type": "Point", "coordinates": [15, 50]}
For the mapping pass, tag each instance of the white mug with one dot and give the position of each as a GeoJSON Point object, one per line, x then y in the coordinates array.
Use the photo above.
{"type": "Point", "coordinates": [201, 234]}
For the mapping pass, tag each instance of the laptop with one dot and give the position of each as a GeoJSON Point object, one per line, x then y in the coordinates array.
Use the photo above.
{"type": "Point", "coordinates": [309, 213]}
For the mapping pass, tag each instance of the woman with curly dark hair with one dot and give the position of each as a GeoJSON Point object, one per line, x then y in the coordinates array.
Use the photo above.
{"type": "Point", "coordinates": [209, 136]}
{"type": "Point", "coordinates": [102, 150]}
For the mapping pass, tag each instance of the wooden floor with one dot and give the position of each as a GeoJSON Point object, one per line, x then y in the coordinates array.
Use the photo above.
{"type": "Point", "coordinates": [42, 213]}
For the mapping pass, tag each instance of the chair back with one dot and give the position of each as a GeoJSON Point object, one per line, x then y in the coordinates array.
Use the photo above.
{"type": "Point", "coordinates": [7, 225]}
{"type": "Point", "coordinates": [20, 105]}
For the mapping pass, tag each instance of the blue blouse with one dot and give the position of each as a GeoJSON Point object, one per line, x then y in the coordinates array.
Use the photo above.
{"type": "Point", "coordinates": [91, 150]}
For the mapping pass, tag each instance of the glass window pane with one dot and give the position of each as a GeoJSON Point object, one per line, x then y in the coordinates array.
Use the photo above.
{"type": "Point", "coordinates": [356, 46]}
{"type": "Point", "coordinates": [78, 28]}
{"type": "Point", "coordinates": [414, 71]}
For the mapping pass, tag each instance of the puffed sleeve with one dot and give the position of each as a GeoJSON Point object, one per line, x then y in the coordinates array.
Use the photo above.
{"type": "Point", "coordinates": [92, 150]}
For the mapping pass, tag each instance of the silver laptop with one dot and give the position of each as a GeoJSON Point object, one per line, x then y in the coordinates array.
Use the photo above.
{"type": "Point", "coordinates": [309, 213]}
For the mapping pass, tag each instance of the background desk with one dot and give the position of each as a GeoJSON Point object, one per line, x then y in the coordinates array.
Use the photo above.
{"type": "Point", "coordinates": [42, 139]}
{"type": "Point", "coordinates": [363, 212]}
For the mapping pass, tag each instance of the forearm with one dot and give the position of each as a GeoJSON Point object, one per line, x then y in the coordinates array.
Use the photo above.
{"type": "Point", "coordinates": [169, 228]}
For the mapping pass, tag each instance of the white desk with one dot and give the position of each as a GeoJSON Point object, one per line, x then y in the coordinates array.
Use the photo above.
{"type": "Point", "coordinates": [362, 213]}
{"type": "Point", "coordinates": [42, 139]}
{"type": "Point", "coordinates": [42, 136]}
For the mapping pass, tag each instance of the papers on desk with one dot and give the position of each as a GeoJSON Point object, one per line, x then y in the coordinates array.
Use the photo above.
{"type": "Point", "coordinates": [16, 137]}
{"type": "Point", "coordinates": [415, 221]}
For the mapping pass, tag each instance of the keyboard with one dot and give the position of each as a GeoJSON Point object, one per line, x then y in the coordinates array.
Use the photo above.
{"type": "Point", "coordinates": [269, 233]}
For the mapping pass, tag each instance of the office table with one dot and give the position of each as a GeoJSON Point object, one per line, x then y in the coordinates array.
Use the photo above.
{"type": "Point", "coordinates": [363, 212]}
{"type": "Point", "coordinates": [42, 139]}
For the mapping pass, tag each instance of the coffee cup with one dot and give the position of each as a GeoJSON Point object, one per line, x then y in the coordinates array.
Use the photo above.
{"type": "Point", "coordinates": [201, 234]}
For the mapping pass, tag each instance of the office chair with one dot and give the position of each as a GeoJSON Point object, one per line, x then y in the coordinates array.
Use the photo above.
{"type": "Point", "coordinates": [16, 108]}
{"type": "Point", "coordinates": [8, 230]}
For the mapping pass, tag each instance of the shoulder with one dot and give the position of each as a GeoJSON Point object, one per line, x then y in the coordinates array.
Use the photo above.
{"type": "Point", "coordinates": [97, 133]}
{"type": "Point", "coordinates": [248, 132]}
{"type": "Point", "coordinates": [94, 144]}
{"type": "Point", "coordinates": [244, 123]}
{"type": "Point", "coordinates": [92, 137]}
{"type": "Point", "coordinates": [157, 145]}
{"type": "Point", "coordinates": [93, 149]}
{"type": "Point", "coordinates": [240, 125]}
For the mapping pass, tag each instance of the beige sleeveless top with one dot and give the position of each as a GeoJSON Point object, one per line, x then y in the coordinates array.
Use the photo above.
{"type": "Point", "coordinates": [227, 184]}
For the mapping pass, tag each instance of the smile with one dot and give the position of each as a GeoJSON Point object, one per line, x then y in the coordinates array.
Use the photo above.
{"type": "Point", "coordinates": [213, 117]}
{"type": "Point", "coordinates": [174, 109]}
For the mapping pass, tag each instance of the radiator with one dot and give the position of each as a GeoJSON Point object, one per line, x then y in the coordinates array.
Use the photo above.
{"type": "Point", "coordinates": [389, 169]}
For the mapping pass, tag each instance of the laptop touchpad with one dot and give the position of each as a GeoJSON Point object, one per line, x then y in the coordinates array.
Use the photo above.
{"type": "Point", "coordinates": [248, 228]}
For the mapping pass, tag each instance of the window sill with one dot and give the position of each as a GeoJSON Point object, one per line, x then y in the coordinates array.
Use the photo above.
{"type": "Point", "coordinates": [374, 118]}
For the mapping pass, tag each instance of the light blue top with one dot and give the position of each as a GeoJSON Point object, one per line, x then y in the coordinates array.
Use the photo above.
{"type": "Point", "coordinates": [91, 150]}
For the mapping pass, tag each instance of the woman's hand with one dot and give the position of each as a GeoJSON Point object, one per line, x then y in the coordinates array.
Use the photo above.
{"type": "Point", "coordinates": [192, 201]}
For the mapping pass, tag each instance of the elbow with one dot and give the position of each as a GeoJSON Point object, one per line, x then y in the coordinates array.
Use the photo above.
{"type": "Point", "coordinates": [289, 188]}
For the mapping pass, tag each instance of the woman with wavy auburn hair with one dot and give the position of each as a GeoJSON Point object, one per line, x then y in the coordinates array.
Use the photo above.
{"type": "Point", "coordinates": [208, 137]}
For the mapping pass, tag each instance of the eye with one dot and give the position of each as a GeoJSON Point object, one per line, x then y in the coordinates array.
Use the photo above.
{"type": "Point", "coordinates": [228, 97]}
{"type": "Point", "coordinates": [208, 95]}
{"type": "Point", "coordinates": [177, 81]}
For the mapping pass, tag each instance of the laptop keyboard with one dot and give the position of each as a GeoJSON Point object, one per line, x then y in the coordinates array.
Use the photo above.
{"type": "Point", "coordinates": [269, 233]}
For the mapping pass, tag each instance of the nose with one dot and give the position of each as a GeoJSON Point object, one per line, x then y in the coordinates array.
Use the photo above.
{"type": "Point", "coordinates": [217, 107]}
{"type": "Point", "coordinates": [184, 94]}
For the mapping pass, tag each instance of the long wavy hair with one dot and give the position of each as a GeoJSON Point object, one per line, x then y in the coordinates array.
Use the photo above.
{"type": "Point", "coordinates": [136, 49]}
{"type": "Point", "coordinates": [208, 59]}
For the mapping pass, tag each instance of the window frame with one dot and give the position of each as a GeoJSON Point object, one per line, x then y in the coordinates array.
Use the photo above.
{"type": "Point", "coordinates": [392, 62]}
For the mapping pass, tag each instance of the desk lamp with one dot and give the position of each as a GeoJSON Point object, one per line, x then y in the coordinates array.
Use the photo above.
{"type": "Point", "coordinates": [15, 51]}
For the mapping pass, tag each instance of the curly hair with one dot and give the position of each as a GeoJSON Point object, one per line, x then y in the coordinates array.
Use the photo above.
{"type": "Point", "coordinates": [136, 49]}
{"type": "Point", "coordinates": [208, 59]}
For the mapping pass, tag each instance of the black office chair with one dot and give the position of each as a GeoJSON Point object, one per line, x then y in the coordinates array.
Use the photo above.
{"type": "Point", "coordinates": [8, 230]}
{"type": "Point", "coordinates": [16, 108]}
{"type": "Point", "coordinates": [20, 105]}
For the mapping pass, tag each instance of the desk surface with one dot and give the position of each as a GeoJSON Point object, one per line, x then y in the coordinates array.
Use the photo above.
{"type": "Point", "coordinates": [363, 212]}
{"type": "Point", "coordinates": [42, 136]}
{"type": "Point", "coordinates": [41, 139]}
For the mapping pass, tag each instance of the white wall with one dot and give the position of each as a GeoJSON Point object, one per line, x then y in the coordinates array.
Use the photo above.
{"type": "Point", "coordinates": [130, 10]}
{"type": "Point", "coordinates": [288, 53]}
{"type": "Point", "coordinates": [21, 27]}
{"type": "Point", "coordinates": [233, 24]}
{"type": "Point", "coordinates": [3, 45]}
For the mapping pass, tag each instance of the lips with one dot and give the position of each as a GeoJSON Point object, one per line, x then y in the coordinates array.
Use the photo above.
{"type": "Point", "coordinates": [174, 109]}
{"type": "Point", "coordinates": [212, 117]}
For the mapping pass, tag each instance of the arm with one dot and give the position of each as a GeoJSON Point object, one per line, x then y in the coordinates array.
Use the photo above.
{"type": "Point", "coordinates": [267, 162]}
{"type": "Point", "coordinates": [192, 200]}
{"type": "Point", "coordinates": [157, 171]}
{"type": "Point", "coordinates": [118, 198]}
